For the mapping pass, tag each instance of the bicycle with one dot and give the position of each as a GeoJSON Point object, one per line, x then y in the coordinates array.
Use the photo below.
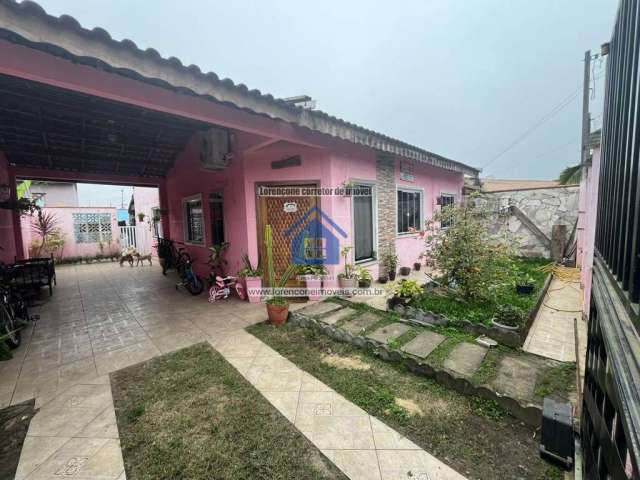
{"type": "Point", "coordinates": [189, 280]}
{"type": "Point", "coordinates": [172, 257]}
{"type": "Point", "coordinates": [13, 310]}
{"type": "Point", "coordinates": [221, 289]}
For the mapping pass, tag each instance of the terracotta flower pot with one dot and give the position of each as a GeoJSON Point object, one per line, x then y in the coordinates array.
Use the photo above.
{"type": "Point", "coordinates": [314, 283]}
{"type": "Point", "coordinates": [277, 313]}
{"type": "Point", "coordinates": [253, 283]}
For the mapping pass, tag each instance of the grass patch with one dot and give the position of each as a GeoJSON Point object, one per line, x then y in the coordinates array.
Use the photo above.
{"type": "Point", "coordinates": [455, 308]}
{"type": "Point", "coordinates": [441, 353]}
{"type": "Point", "coordinates": [473, 436]}
{"type": "Point", "coordinates": [403, 339]}
{"type": "Point", "coordinates": [558, 380]}
{"type": "Point", "coordinates": [489, 366]}
{"type": "Point", "coordinates": [191, 415]}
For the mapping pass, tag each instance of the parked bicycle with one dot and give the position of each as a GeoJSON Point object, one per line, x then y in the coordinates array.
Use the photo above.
{"type": "Point", "coordinates": [13, 309]}
{"type": "Point", "coordinates": [222, 288]}
{"type": "Point", "coordinates": [189, 280]}
{"type": "Point", "coordinates": [178, 259]}
{"type": "Point", "coordinates": [172, 257]}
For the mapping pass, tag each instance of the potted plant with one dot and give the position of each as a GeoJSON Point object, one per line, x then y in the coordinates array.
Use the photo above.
{"type": "Point", "coordinates": [405, 292]}
{"type": "Point", "coordinates": [418, 265]}
{"type": "Point", "coordinates": [277, 305]}
{"type": "Point", "coordinates": [313, 278]}
{"type": "Point", "coordinates": [508, 318]}
{"type": "Point", "coordinates": [405, 271]}
{"type": "Point", "coordinates": [217, 261]}
{"type": "Point", "coordinates": [364, 277]}
{"type": "Point", "coordinates": [252, 279]}
{"type": "Point", "coordinates": [141, 217]}
{"type": "Point", "coordinates": [390, 262]}
{"type": "Point", "coordinates": [525, 284]}
{"type": "Point", "coordinates": [348, 278]}
{"type": "Point", "coordinates": [383, 278]}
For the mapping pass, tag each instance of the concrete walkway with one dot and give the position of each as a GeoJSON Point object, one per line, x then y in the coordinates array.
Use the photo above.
{"type": "Point", "coordinates": [553, 333]}
{"type": "Point", "coordinates": [103, 318]}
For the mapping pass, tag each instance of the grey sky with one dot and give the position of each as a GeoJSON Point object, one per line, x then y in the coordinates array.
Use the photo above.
{"type": "Point", "coordinates": [460, 78]}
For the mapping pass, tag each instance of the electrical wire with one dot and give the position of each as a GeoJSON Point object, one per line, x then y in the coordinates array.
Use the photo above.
{"type": "Point", "coordinates": [541, 121]}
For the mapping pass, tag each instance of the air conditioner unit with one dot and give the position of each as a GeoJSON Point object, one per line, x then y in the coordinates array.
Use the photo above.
{"type": "Point", "coordinates": [215, 151]}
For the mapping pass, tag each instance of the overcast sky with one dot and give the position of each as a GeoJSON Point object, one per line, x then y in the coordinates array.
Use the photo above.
{"type": "Point", "coordinates": [462, 78]}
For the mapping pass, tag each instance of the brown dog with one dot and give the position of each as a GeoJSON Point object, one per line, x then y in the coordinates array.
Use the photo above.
{"type": "Point", "coordinates": [141, 258]}
{"type": "Point", "coordinates": [126, 258]}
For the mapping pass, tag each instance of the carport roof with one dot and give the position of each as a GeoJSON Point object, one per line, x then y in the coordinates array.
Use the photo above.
{"type": "Point", "coordinates": [28, 23]}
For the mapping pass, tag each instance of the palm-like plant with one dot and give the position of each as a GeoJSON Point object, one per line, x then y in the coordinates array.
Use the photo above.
{"type": "Point", "coordinates": [45, 226]}
{"type": "Point", "coordinates": [272, 281]}
{"type": "Point", "coordinates": [570, 175]}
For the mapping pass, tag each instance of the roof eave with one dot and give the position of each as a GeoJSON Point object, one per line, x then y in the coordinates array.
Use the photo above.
{"type": "Point", "coordinates": [28, 23]}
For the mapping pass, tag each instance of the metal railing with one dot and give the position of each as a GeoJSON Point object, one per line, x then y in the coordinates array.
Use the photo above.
{"type": "Point", "coordinates": [610, 423]}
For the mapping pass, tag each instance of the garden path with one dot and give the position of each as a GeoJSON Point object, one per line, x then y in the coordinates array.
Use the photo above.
{"type": "Point", "coordinates": [553, 333]}
{"type": "Point", "coordinates": [103, 317]}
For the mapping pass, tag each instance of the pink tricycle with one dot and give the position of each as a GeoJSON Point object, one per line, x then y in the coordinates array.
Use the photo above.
{"type": "Point", "coordinates": [221, 289]}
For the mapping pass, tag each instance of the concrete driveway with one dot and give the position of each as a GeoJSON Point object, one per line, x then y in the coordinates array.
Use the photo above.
{"type": "Point", "coordinates": [104, 317]}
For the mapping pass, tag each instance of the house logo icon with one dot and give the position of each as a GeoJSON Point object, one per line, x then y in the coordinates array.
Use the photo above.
{"type": "Point", "coordinates": [313, 241]}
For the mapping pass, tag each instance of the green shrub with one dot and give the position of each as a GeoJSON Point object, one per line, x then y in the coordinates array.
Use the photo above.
{"type": "Point", "coordinates": [510, 316]}
{"type": "Point", "coordinates": [409, 289]}
{"type": "Point", "coordinates": [473, 262]}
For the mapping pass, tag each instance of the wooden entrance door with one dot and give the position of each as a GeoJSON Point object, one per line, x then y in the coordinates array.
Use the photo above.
{"type": "Point", "coordinates": [281, 213]}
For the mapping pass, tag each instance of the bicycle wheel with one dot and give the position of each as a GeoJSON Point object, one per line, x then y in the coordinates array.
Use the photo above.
{"type": "Point", "coordinates": [183, 260]}
{"type": "Point", "coordinates": [8, 328]}
{"type": "Point", "coordinates": [213, 294]}
{"type": "Point", "coordinates": [194, 284]}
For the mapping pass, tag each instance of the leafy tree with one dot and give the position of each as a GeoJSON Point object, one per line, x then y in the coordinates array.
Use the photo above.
{"type": "Point", "coordinates": [473, 263]}
{"type": "Point", "coordinates": [570, 175]}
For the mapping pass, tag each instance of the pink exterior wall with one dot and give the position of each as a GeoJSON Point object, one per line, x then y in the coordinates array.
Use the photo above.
{"type": "Point", "coordinates": [325, 159]}
{"type": "Point", "coordinates": [64, 216]}
{"type": "Point", "coordinates": [433, 182]}
{"type": "Point", "coordinates": [329, 168]}
{"type": "Point", "coordinates": [587, 226]}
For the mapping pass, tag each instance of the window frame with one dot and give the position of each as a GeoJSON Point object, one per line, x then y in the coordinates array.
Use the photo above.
{"type": "Point", "coordinates": [374, 220]}
{"type": "Point", "coordinates": [185, 220]}
{"type": "Point", "coordinates": [410, 189]}
{"type": "Point", "coordinates": [211, 202]}
{"type": "Point", "coordinates": [446, 194]}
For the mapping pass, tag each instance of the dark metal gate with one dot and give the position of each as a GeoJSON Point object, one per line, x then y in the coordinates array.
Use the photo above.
{"type": "Point", "coordinates": [611, 405]}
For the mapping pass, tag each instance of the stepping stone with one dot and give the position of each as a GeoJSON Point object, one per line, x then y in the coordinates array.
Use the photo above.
{"type": "Point", "coordinates": [320, 309]}
{"type": "Point", "coordinates": [335, 317]}
{"type": "Point", "coordinates": [516, 377]}
{"type": "Point", "coordinates": [390, 332]}
{"type": "Point", "coordinates": [465, 359]}
{"type": "Point", "coordinates": [423, 344]}
{"type": "Point", "coordinates": [357, 325]}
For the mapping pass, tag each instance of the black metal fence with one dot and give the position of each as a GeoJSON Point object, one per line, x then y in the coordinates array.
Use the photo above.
{"type": "Point", "coordinates": [611, 403]}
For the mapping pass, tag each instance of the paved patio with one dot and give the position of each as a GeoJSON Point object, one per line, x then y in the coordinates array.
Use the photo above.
{"type": "Point", "coordinates": [103, 317]}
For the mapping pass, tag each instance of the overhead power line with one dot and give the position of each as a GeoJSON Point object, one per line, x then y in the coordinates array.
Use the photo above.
{"type": "Point", "coordinates": [541, 121]}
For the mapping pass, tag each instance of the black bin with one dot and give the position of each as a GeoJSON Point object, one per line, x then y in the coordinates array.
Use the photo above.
{"type": "Point", "coordinates": [556, 441]}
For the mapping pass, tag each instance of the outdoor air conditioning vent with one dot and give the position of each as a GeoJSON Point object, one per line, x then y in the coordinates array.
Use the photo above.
{"type": "Point", "coordinates": [215, 149]}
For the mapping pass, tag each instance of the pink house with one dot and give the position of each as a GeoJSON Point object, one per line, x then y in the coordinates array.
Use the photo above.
{"type": "Point", "coordinates": [118, 114]}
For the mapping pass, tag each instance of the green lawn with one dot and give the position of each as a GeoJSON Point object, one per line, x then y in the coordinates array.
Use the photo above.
{"type": "Point", "coordinates": [475, 437]}
{"type": "Point", "coordinates": [456, 309]}
{"type": "Point", "coordinates": [191, 415]}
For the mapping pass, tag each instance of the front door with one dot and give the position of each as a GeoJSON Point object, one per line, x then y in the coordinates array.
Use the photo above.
{"type": "Point", "coordinates": [282, 213]}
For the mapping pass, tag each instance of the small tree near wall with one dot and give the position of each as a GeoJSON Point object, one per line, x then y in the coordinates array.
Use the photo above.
{"type": "Point", "coordinates": [472, 262]}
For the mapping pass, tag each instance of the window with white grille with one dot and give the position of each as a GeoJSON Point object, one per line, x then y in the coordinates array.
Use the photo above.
{"type": "Point", "coordinates": [92, 227]}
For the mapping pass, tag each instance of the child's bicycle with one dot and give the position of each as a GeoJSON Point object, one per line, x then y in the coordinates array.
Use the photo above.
{"type": "Point", "coordinates": [221, 288]}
